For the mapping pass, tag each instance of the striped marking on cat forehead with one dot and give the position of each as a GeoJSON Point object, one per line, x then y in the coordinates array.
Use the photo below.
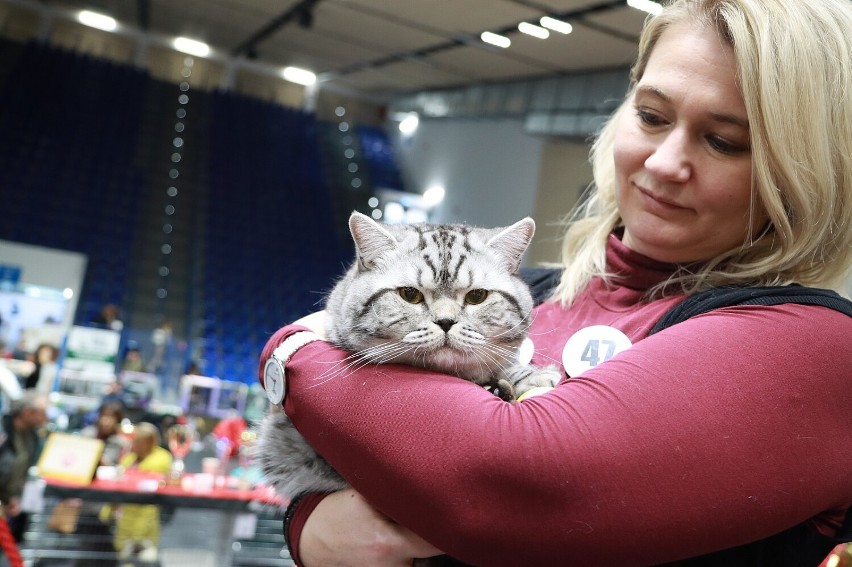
{"type": "Point", "coordinates": [444, 250]}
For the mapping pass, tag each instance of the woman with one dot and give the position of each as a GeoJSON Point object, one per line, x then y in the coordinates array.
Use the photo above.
{"type": "Point", "coordinates": [107, 428]}
{"type": "Point", "coordinates": [44, 373]}
{"type": "Point", "coordinates": [718, 441]}
{"type": "Point", "coordinates": [137, 528]}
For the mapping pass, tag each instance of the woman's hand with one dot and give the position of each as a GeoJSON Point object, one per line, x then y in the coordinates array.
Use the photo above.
{"type": "Point", "coordinates": [345, 531]}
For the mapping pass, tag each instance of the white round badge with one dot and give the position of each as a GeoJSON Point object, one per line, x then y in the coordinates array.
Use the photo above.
{"type": "Point", "coordinates": [525, 351]}
{"type": "Point", "coordinates": [273, 380]}
{"type": "Point", "coordinates": [591, 346]}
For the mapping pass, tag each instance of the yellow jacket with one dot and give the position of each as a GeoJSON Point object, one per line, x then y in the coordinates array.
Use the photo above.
{"type": "Point", "coordinates": [141, 522]}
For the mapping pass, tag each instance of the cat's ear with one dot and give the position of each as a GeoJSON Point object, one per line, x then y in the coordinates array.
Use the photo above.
{"type": "Point", "coordinates": [371, 239]}
{"type": "Point", "coordinates": [511, 243]}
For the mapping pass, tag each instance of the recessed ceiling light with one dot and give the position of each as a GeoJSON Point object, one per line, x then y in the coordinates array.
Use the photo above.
{"type": "Point", "coordinates": [496, 39]}
{"type": "Point", "coordinates": [409, 124]}
{"type": "Point", "coordinates": [95, 20]}
{"type": "Point", "coordinates": [556, 25]}
{"type": "Point", "coordinates": [433, 195]}
{"type": "Point", "coordinates": [191, 46]}
{"type": "Point", "coordinates": [299, 76]}
{"type": "Point", "coordinates": [646, 6]}
{"type": "Point", "coordinates": [533, 30]}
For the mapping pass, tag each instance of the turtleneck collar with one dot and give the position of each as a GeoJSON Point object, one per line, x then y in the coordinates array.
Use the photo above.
{"type": "Point", "coordinates": [634, 270]}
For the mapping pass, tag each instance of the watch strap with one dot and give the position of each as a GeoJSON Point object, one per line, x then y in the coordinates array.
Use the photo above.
{"type": "Point", "coordinates": [274, 373]}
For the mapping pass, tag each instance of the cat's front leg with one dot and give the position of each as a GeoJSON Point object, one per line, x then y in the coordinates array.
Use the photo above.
{"type": "Point", "coordinates": [289, 464]}
{"type": "Point", "coordinates": [524, 377]}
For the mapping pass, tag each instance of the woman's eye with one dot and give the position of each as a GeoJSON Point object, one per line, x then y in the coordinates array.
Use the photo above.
{"type": "Point", "coordinates": [410, 294]}
{"type": "Point", "coordinates": [475, 296]}
{"type": "Point", "coordinates": [723, 146]}
{"type": "Point", "coordinates": [649, 118]}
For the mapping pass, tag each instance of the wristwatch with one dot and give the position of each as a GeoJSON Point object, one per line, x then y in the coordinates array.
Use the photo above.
{"type": "Point", "coordinates": [274, 371]}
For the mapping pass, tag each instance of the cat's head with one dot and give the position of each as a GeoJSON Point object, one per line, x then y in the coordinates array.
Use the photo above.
{"type": "Point", "coordinates": [445, 297]}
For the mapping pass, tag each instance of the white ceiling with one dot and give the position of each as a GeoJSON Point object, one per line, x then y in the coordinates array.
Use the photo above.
{"type": "Point", "coordinates": [389, 47]}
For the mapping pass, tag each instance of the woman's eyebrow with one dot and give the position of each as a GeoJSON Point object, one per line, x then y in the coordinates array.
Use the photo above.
{"type": "Point", "coordinates": [730, 119]}
{"type": "Point", "coordinates": [653, 91]}
{"type": "Point", "coordinates": [649, 90]}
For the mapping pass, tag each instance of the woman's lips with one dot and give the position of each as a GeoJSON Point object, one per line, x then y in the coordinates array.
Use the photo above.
{"type": "Point", "coordinates": [655, 202]}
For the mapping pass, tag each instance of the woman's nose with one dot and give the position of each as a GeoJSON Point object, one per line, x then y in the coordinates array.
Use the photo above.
{"type": "Point", "coordinates": [670, 160]}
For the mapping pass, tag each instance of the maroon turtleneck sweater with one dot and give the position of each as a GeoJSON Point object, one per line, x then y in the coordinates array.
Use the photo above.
{"type": "Point", "coordinates": [718, 431]}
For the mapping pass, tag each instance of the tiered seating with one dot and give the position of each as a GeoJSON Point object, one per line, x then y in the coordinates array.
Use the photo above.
{"type": "Point", "coordinates": [377, 154]}
{"type": "Point", "coordinates": [66, 162]}
{"type": "Point", "coordinates": [75, 175]}
{"type": "Point", "coordinates": [272, 248]}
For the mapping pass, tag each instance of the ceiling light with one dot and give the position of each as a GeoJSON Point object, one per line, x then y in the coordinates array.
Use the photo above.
{"type": "Point", "coordinates": [191, 46]}
{"type": "Point", "coordinates": [394, 213]}
{"type": "Point", "coordinates": [95, 20]}
{"type": "Point", "coordinates": [646, 6]}
{"type": "Point", "coordinates": [409, 124]}
{"type": "Point", "coordinates": [533, 30]}
{"type": "Point", "coordinates": [433, 195]}
{"type": "Point", "coordinates": [300, 76]}
{"type": "Point", "coordinates": [556, 25]}
{"type": "Point", "coordinates": [495, 39]}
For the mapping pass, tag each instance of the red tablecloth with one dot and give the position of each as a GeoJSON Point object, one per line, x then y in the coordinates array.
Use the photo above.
{"type": "Point", "coordinates": [134, 483]}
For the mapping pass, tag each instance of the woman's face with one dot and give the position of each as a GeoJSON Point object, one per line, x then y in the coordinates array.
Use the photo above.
{"type": "Point", "coordinates": [107, 423]}
{"type": "Point", "coordinates": [682, 153]}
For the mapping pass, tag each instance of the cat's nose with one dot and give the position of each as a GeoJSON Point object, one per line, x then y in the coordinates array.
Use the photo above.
{"type": "Point", "coordinates": [445, 324]}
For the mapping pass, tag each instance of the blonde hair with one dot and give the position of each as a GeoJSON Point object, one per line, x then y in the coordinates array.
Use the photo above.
{"type": "Point", "coordinates": [794, 65]}
{"type": "Point", "coordinates": [144, 431]}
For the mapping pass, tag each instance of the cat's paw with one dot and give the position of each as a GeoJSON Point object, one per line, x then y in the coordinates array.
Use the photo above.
{"type": "Point", "coordinates": [547, 377]}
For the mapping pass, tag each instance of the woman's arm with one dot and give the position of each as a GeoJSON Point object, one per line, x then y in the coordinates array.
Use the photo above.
{"type": "Point", "coordinates": [715, 432]}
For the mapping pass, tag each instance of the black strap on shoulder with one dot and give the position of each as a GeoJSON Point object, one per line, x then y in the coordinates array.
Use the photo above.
{"type": "Point", "coordinates": [542, 281]}
{"type": "Point", "coordinates": [711, 299]}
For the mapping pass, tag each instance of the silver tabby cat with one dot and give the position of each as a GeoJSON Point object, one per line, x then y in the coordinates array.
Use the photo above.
{"type": "Point", "coordinates": [443, 297]}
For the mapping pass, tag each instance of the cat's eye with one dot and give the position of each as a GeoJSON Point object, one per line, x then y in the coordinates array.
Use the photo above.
{"type": "Point", "coordinates": [411, 294]}
{"type": "Point", "coordinates": [475, 296]}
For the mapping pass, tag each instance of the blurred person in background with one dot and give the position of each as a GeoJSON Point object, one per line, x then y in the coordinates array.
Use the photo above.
{"type": "Point", "coordinates": [95, 535]}
{"type": "Point", "coordinates": [160, 339]}
{"type": "Point", "coordinates": [109, 317]}
{"type": "Point", "coordinates": [137, 526]}
{"type": "Point", "coordinates": [107, 428]}
{"type": "Point", "coordinates": [44, 374]}
{"type": "Point", "coordinates": [20, 445]}
{"type": "Point", "coordinates": [133, 358]}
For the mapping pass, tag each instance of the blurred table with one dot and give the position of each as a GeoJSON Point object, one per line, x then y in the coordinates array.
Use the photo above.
{"type": "Point", "coordinates": [203, 521]}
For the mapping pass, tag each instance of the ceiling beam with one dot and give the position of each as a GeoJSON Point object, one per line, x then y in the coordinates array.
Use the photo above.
{"type": "Point", "coordinates": [143, 14]}
{"type": "Point", "coordinates": [301, 12]}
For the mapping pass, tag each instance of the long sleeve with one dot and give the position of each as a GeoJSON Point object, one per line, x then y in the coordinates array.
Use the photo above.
{"type": "Point", "coordinates": [721, 430]}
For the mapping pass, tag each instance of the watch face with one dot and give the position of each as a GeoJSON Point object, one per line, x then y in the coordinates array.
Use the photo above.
{"type": "Point", "coordinates": [273, 380]}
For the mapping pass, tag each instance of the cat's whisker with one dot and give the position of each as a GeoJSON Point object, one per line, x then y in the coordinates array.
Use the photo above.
{"type": "Point", "coordinates": [383, 353]}
{"type": "Point", "coordinates": [540, 333]}
{"type": "Point", "coordinates": [514, 329]}
{"type": "Point", "coordinates": [486, 359]}
{"type": "Point", "coordinates": [345, 367]}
